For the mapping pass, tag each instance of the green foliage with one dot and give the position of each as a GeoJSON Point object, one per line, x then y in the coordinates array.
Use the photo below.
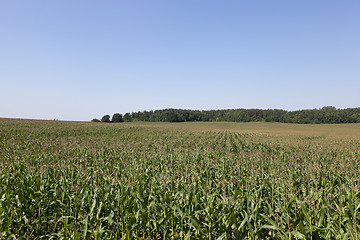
{"type": "Point", "coordinates": [127, 117]}
{"type": "Point", "coordinates": [95, 120]}
{"type": "Point", "coordinates": [117, 117]}
{"type": "Point", "coordinates": [63, 180]}
{"type": "Point", "coordinates": [105, 118]}
{"type": "Point", "coordinates": [314, 116]}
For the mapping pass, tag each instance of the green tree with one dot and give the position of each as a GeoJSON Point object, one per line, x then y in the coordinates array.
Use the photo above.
{"type": "Point", "coordinates": [117, 117]}
{"type": "Point", "coordinates": [105, 118]}
{"type": "Point", "coordinates": [95, 120]}
{"type": "Point", "coordinates": [127, 117]}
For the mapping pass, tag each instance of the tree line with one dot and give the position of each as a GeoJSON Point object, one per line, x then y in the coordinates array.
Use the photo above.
{"type": "Point", "coordinates": [323, 115]}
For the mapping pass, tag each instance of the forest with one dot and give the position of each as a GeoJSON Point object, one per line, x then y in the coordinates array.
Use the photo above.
{"type": "Point", "coordinates": [324, 115]}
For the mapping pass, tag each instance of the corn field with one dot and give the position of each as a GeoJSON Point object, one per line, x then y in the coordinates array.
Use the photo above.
{"type": "Point", "coordinates": [66, 180]}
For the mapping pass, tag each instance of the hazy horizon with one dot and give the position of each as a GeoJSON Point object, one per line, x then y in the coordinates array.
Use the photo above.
{"type": "Point", "coordinates": [81, 60]}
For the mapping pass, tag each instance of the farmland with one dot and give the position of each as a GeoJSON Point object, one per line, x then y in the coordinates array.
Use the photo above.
{"type": "Point", "coordinates": [82, 180]}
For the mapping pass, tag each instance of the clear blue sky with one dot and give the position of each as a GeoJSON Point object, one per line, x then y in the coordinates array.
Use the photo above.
{"type": "Point", "coordinates": [76, 60]}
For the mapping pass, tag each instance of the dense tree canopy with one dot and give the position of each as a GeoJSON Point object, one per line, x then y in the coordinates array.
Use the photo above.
{"type": "Point", "coordinates": [117, 117]}
{"type": "Point", "coordinates": [127, 117]}
{"type": "Point", "coordinates": [327, 114]}
{"type": "Point", "coordinates": [105, 118]}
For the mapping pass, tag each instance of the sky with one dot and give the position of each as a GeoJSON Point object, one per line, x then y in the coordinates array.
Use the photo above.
{"type": "Point", "coordinates": [79, 60]}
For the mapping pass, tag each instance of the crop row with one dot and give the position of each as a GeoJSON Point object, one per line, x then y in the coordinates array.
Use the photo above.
{"type": "Point", "coordinates": [95, 181]}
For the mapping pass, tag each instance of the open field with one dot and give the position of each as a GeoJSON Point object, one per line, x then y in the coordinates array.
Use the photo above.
{"type": "Point", "coordinates": [142, 180]}
{"type": "Point", "coordinates": [286, 129]}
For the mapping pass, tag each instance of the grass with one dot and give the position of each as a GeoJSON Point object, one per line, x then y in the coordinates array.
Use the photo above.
{"type": "Point", "coordinates": [79, 180]}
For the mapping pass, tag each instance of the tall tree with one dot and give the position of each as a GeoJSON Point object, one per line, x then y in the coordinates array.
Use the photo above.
{"type": "Point", "coordinates": [127, 117]}
{"type": "Point", "coordinates": [117, 117]}
{"type": "Point", "coordinates": [105, 118]}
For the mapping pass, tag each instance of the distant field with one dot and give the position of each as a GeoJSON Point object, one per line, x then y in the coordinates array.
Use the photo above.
{"type": "Point", "coordinates": [333, 130]}
{"type": "Point", "coordinates": [198, 180]}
